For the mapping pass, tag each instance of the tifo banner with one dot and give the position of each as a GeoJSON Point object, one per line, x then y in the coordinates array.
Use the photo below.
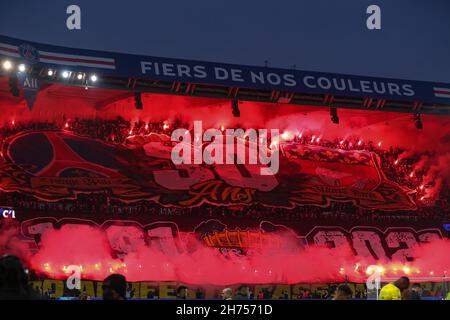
{"type": "Point", "coordinates": [181, 250]}
{"type": "Point", "coordinates": [55, 165]}
{"type": "Point", "coordinates": [173, 235]}
{"type": "Point", "coordinates": [30, 88]}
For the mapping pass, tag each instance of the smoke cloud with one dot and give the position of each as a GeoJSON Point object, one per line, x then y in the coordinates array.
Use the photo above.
{"type": "Point", "coordinates": [292, 263]}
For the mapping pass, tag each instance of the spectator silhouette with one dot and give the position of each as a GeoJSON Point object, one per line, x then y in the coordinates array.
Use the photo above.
{"type": "Point", "coordinates": [14, 282]}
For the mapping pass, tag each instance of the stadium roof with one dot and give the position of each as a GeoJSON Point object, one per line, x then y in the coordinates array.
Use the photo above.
{"type": "Point", "coordinates": [133, 73]}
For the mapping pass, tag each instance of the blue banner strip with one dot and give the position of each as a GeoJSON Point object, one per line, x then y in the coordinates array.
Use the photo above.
{"type": "Point", "coordinates": [189, 71]}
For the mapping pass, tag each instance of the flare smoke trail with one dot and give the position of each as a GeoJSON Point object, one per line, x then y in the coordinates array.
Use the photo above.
{"type": "Point", "coordinates": [87, 246]}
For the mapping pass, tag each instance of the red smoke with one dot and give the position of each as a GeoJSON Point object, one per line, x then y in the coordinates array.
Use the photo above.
{"type": "Point", "coordinates": [88, 247]}
{"type": "Point", "coordinates": [391, 129]}
{"type": "Point", "coordinates": [10, 242]}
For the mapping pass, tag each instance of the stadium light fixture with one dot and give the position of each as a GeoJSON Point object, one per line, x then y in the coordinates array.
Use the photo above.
{"type": "Point", "coordinates": [12, 82]}
{"type": "Point", "coordinates": [138, 101]}
{"type": "Point", "coordinates": [334, 116]}
{"type": "Point", "coordinates": [80, 76]}
{"type": "Point", "coordinates": [65, 74]}
{"type": "Point", "coordinates": [235, 108]}
{"type": "Point", "coordinates": [7, 65]}
{"type": "Point", "coordinates": [50, 73]}
{"type": "Point", "coordinates": [418, 121]}
{"type": "Point", "coordinates": [94, 78]}
{"type": "Point", "coordinates": [22, 67]}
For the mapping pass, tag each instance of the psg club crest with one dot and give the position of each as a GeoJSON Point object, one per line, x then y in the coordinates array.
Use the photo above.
{"type": "Point", "coordinates": [29, 53]}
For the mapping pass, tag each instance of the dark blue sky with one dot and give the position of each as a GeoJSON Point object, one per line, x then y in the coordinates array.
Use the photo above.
{"type": "Point", "coordinates": [319, 35]}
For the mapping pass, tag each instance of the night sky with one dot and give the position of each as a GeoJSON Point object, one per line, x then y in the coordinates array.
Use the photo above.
{"type": "Point", "coordinates": [319, 35]}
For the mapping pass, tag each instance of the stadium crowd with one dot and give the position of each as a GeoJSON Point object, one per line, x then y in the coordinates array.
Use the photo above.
{"type": "Point", "coordinates": [16, 284]}
{"type": "Point", "coordinates": [101, 203]}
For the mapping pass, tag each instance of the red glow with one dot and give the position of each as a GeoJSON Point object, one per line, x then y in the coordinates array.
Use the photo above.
{"type": "Point", "coordinates": [66, 125]}
{"type": "Point", "coordinates": [200, 264]}
{"type": "Point", "coordinates": [207, 265]}
{"type": "Point", "coordinates": [379, 144]}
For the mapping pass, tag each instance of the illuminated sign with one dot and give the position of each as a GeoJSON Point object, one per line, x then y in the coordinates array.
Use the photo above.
{"type": "Point", "coordinates": [7, 213]}
{"type": "Point", "coordinates": [224, 74]}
